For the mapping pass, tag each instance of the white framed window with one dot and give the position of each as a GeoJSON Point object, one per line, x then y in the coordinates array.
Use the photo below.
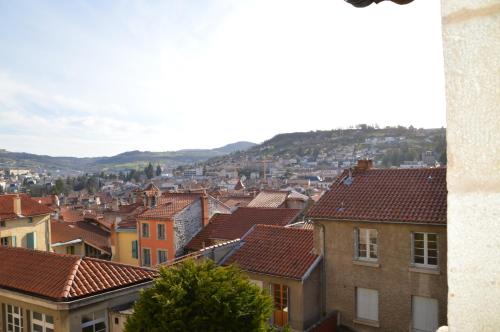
{"type": "Point", "coordinates": [145, 230]}
{"type": "Point", "coordinates": [14, 317]}
{"type": "Point", "coordinates": [366, 244]}
{"type": "Point", "coordinates": [367, 304]}
{"type": "Point", "coordinates": [41, 322]}
{"type": "Point", "coordinates": [161, 231]}
{"type": "Point", "coordinates": [162, 256]}
{"type": "Point", "coordinates": [146, 257]}
{"type": "Point", "coordinates": [94, 321]}
{"type": "Point", "coordinates": [425, 250]}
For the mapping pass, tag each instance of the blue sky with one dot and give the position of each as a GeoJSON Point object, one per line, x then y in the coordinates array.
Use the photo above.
{"type": "Point", "coordinates": [92, 78]}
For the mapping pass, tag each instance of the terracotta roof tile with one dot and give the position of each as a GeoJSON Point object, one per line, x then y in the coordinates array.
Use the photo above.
{"type": "Point", "coordinates": [64, 277]}
{"type": "Point", "coordinates": [276, 250]}
{"type": "Point", "coordinates": [233, 226]}
{"type": "Point", "coordinates": [170, 204]}
{"type": "Point", "coordinates": [67, 214]}
{"type": "Point", "coordinates": [402, 195]}
{"type": "Point", "coordinates": [94, 235]}
{"type": "Point", "coordinates": [269, 199]}
{"type": "Point", "coordinates": [29, 207]}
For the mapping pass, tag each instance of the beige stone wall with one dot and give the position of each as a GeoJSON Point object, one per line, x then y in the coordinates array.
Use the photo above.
{"type": "Point", "coordinates": [20, 227]}
{"type": "Point", "coordinates": [79, 249]}
{"type": "Point", "coordinates": [393, 278]}
{"type": "Point", "coordinates": [471, 43]}
{"type": "Point", "coordinates": [300, 317]}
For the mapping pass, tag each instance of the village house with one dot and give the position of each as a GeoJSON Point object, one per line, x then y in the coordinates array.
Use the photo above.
{"type": "Point", "coordinates": [171, 222]}
{"type": "Point", "coordinates": [281, 260]}
{"type": "Point", "coordinates": [280, 199]}
{"type": "Point", "coordinates": [42, 291]}
{"type": "Point", "coordinates": [24, 222]}
{"type": "Point", "coordinates": [382, 233]}
{"type": "Point", "coordinates": [225, 227]}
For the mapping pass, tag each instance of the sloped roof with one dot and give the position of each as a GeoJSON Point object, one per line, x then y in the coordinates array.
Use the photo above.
{"type": "Point", "coordinates": [275, 250]}
{"type": "Point", "coordinates": [64, 277]}
{"type": "Point", "coordinates": [233, 226]}
{"type": "Point", "coordinates": [70, 215]}
{"type": "Point", "coordinates": [236, 201]}
{"type": "Point", "coordinates": [29, 207]}
{"type": "Point", "coordinates": [400, 195]}
{"type": "Point", "coordinates": [94, 235]}
{"type": "Point", "coordinates": [169, 204]}
{"type": "Point", "coordinates": [269, 199]}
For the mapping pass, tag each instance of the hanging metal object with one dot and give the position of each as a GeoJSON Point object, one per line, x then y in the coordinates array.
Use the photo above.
{"type": "Point", "coordinates": [364, 3]}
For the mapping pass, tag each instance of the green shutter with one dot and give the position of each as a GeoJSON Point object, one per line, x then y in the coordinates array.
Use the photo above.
{"type": "Point", "coordinates": [134, 249]}
{"type": "Point", "coordinates": [30, 240]}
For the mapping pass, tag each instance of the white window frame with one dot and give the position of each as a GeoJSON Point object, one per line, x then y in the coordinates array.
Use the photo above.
{"type": "Point", "coordinates": [96, 321]}
{"type": "Point", "coordinates": [142, 230]}
{"type": "Point", "coordinates": [426, 251]}
{"type": "Point", "coordinates": [42, 323]}
{"type": "Point", "coordinates": [364, 233]}
{"type": "Point", "coordinates": [158, 231]}
{"type": "Point", "coordinates": [357, 301]}
{"type": "Point", "coordinates": [11, 326]}
{"type": "Point", "coordinates": [144, 256]}
{"type": "Point", "coordinates": [158, 255]}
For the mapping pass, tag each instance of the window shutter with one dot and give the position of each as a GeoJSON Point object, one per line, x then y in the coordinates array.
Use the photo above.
{"type": "Point", "coordinates": [30, 241]}
{"type": "Point", "coordinates": [355, 242]}
{"type": "Point", "coordinates": [412, 248]}
{"type": "Point", "coordinates": [134, 249]}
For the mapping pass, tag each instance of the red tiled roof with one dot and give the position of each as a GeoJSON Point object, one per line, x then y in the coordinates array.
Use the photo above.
{"type": "Point", "coordinates": [269, 199]}
{"type": "Point", "coordinates": [233, 226]}
{"type": "Point", "coordinates": [29, 207]}
{"type": "Point", "coordinates": [46, 200]}
{"type": "Point", "coordinates": [94, 235]}
{"type": "Point", "coordinates": [129, 208]}
{"type": "Point", "coordinates": [169, 204]}
{"type": "Point", "coordinates": [64, 277]}
{"type": "Point", "coordinates": [402, 195]}
{"type": "Point", "coordinates": [281, 251]}
{"type": "Point", "coordinates": [68, 214]}
{"type": "Point", "coordinates": [236, 201]}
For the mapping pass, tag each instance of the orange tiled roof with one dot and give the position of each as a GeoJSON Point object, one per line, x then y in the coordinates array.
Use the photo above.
{"type": "Point", "coordinates": [402, 195]}
{"type": "Point", "coordinates": [29, 207]}
{"type": "Point", "coordinates": [170, 204]}
{"type": "Point", "coordinates": [94, 235]}
{"type": "Point", "coordinates": [64, 277]}
{"type": "Point", "coordinates": [233, 226]}
{"type": "Point", "coordinates": [236, 201]}
{"type": "Point", "coordinates": [281, 251]}
{"type": "Point", "coordinates": [46, 200]}
{"type": "Point", "coordinates": [67, 214]}
{"type": "Point", "coordinates": [269, 199]}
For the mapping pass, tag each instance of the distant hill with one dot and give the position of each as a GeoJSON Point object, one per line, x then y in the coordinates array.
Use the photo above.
{"type": "Point", "coordinates": [126, 160]}
{"type": "Point", "coordinates": [391, 145]}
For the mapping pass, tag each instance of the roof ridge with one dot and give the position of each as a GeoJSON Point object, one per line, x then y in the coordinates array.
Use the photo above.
{"type": "Point", "coordinates": [71, 279]}
{"type": "Point", "coordinates": [93, 259]}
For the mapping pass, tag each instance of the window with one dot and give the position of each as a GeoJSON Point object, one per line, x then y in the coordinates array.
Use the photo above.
{"type": "Point", "coordinates": [424, 314]}
{"type": "Point", "coordinates": [365, 244]}
{"type": "Point", "coordinates": [145, 230]}
{"type": "Point", "coordinates": [135, 249]}
{"type": "Point", "coordinates": [14, 318]}
{"type": "Point", "coordinates": [280, 296]}
{"type": "Point", "coordinates": [31, 240]}
{"type": "Point", "coordinates": [8, 241]}
{"type": "Point", "coordinates": [367, 304]}
{"type": "Point", "coordinates": [94, 322]}
{"type": "Point", "coordinates": [162, 256]}
{"type": "Point", "coordinates": [425, 250]}
{"type": "Point", "coordinates": [70, 250]}
{"type": "Point", "coordinates": [41, 322]}
{"type": "Point", "coordinates": [146, 257]}
{"type": "Point", "coordinates": [161, 231]}
{"type": "Point", "coordinates": [91, 251]}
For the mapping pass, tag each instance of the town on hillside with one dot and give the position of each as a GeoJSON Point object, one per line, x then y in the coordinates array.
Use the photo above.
{"type": "Point", "coordinates": [328, 249]}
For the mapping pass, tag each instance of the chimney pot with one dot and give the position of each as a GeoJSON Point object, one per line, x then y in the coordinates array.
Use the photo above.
{"type": "Point", "coordinates": [17, 205]}
{"type": "Point", "coordinates": [364, 165]}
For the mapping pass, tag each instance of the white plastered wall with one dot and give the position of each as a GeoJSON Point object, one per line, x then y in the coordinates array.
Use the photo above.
{"type": "Point", "coordinates": [471, 43]}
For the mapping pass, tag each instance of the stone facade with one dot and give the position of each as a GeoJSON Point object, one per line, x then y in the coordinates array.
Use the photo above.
{"type": "Point", "coordinates": [393, 275]}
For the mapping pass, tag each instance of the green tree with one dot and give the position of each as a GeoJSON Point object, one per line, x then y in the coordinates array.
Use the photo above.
{"type": "Point", "coordinates": [201, 296]}
{"type": "Point", "coordinates": [58, 187]}
{"type": "Point", "coordinates": [149, 171]}
{"type": "Point", "coordinates": [158, 170]}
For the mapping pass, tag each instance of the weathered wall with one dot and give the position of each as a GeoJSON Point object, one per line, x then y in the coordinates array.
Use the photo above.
{"type": "Point", "coordinates": [20, 227]}
{"type": "Point", "coordinates": [393, 279]}
{"type": "Point", "coordinates": [186, 224]}
{"type": "Point", "coordinates": [124, 248]}
{"type": "Point", "coordinates": [471, 43]}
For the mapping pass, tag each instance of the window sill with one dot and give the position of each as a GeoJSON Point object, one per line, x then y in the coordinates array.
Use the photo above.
{"type": "Point", "coordinates": [366, 322]}
{"type": "Point", "coordinates": [365, 263]}
{"type": "Point", "coordinates": [424, 270]}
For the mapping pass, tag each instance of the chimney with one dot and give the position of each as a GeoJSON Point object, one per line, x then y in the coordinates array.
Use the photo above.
{"type": "Point", "coordinates": [113, 239]}
{"type": "Point", "coordinates": [364, 165]}
{"type": "Point", "coordinates": [17, 204]}
{"type": "Point", "coordinates": [204, 209]}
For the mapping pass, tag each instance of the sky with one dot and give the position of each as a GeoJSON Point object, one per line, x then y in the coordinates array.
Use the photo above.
{"type": "Point", "coordinates": [97, 78]}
